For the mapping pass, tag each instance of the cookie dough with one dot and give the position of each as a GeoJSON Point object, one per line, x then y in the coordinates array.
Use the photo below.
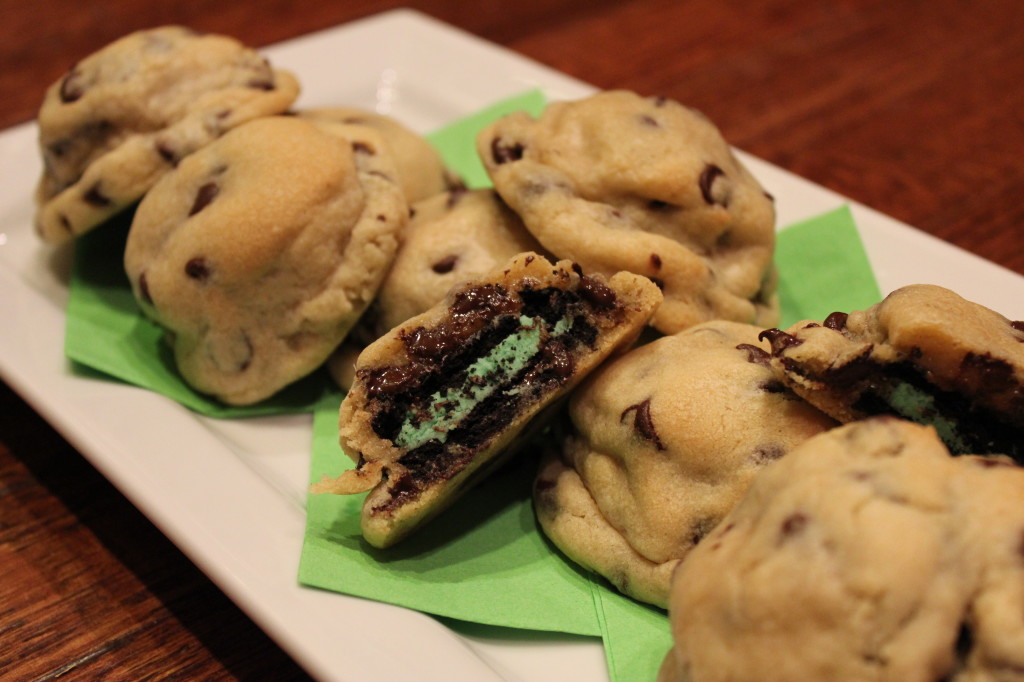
{"type": "Point", "coordinates": [867, 553]}
{"type": "Point", "coordinates": [441, 400]}
{"type": "Point", "coordinates": [129, 113]}
{"type": "Point", "coordinates": [421, 172]}
{"type": "Point", "coordinates": [622, 182]}
{"type": "Point", "coordinates": [259, 252]}
{"type": "Point", "coordinates": [665, 441]}
{"type": "Point", "coordinates": [923, 353]}
{"type": "Point", "coordinates": [451, 237]}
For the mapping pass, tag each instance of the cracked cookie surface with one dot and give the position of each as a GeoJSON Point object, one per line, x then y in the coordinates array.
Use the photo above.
{"type": "Point", "coordinates": [129, 113]}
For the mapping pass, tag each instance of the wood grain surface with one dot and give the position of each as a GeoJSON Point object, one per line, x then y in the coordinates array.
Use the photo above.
{"type": "Point", "coordinates": [913, 107]}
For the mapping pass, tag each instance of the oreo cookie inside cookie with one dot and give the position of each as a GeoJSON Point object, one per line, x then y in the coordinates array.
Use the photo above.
{"type": "Point", "coordinates": [924, 354]}
{"type": "Point", "coordinates": [499, 352]}
{"type": "Point", "coordinates": [444, 398]}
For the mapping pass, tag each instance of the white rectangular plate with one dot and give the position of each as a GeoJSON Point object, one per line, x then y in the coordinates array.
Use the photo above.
{"type": "Point", "coordinates": [231, 494]}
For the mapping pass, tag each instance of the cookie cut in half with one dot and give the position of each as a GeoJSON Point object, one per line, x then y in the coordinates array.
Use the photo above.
{"type": "Point", "coordinates": [923, 353]}
{"type": "Point", "coordinates": [441, 400]}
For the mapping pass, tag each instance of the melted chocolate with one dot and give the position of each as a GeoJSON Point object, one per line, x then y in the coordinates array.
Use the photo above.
{"type": "Point", "coordinates": [642, 422]}
{"type": "Point", "coordinates": [479, 319]}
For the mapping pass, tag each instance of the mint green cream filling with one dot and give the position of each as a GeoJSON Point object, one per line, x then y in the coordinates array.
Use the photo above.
{"type": "Point", "coordinates": [483, 379]}
{"type": "Point", "coordinates": [919, 406]}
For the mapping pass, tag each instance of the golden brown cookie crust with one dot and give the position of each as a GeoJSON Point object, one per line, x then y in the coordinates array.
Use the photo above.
{"type": "Point", "coordinates": [867, 553]}
{"type": "Point", "coordinates": [665, 441]}
{"type": "Point", "coordinates": [260, 251]}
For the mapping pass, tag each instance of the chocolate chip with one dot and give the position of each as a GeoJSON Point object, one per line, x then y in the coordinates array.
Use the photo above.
{"type": "Point", "coordinates": [700, 529]}
{"type": "Point", "coordinates": [65, 223]}
{"type": "Point", "coordinates": [166, 153]}
{"type": "Point", "coordinates": [648, 120]}
{"type": "Point", "coordinates": [197, 269]}
{"type": "Point", "coordinates": [642, 422]}
{"type": "Point", "coordinates": [144, 289]}
{"type": "Point", "coordinates": [94, 197]}
{"type": "Point", "coordinates": [503, 153]}
{"type": "Point", "coordinates": [772, 386]}
{"type": "Point", "coordinates": [659, 206]}
{"type": "Point", "coordinates": [767, 453]}
{"type": "Point", "coordinates": [454, 195]}
{"type": "Point", "coordinates": [558, 359]}
{"type": "Point", "coordinates": [658, 282]}
{"type": "Point", "coordinates": [779, 340]}
{"type": "Point", "coordinates": [445, 265]}
{"type": "Point", "coordinates": [383, 381]}
{"type": "Point", "coordinates": [707, 178]}
{"type": "Point", "coordinates": [793, 524]}
{"type": "Point", "coordinates": [72, 88]}
{"type": "Point", "coordinates": [1019, 326]}
{"type": "Point", "coordinates": [360, 147]}
{"type": "Point", "coordinates": [755, 354]}
{"type": "Point", "coordinates": [836, 321]}
{"type": "Point", "coordinates": [261, 84]}
{"type": "Point", "coordinates": [247, 360]}
{"type": "Point", "coordinates": [656, 261]}
{"type": "Point", "coordinates": [204, 196]}
{"type": "Point", "coordinates": [659, 100]}
{"type": "Point", "coordinates": [599, 295]}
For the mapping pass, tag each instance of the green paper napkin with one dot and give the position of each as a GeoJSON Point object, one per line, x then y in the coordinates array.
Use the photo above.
{"type": "Point", "coordinates": [457, 142]}
{"type": "Point", "coordinates": [484, 560]}
{"type": "Point", "coordinates": [472, 564]}
{"type": "Point", "coordinates": [823, 268]}
{"type": "Point", "coordinates": [106, 332]}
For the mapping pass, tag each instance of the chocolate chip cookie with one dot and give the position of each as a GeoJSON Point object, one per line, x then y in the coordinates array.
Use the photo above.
{"type": "Point", "coordinates": [127, 114]}
{"type": "Point", "coordinates": [665, 440]}
{"type": "Point", "coordinates": [622, 182]}
{"type": "Point", "coordinates": [438, 402]}
{"type": "Point", "coordinates": [923, 353]}
{"type": "Point", "coordinates": [258, 252]}
{"type": "Point", "coordinates": [867, 553]}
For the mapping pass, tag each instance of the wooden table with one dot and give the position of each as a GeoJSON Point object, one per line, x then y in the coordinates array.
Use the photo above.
{"type": "Point", "coordinates": [911, 107]}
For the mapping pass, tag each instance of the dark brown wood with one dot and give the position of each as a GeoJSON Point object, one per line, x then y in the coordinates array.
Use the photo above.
{"type": "Point", "coordinates": [913, 108]}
